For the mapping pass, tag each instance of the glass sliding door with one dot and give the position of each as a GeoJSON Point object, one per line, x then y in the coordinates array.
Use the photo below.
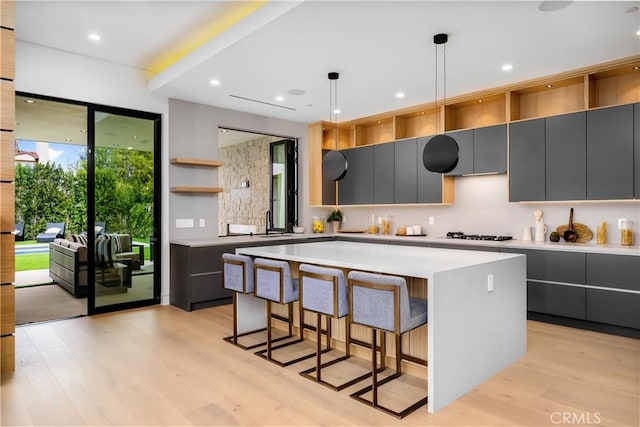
{"type": "Point", "coordinates": [284, 185]}
{"type": "Point", "coordinates": [125, 213]}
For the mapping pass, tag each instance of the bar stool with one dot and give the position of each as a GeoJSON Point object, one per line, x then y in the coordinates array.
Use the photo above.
{"type": "Point", "coordinates": [383, 304]}
{"type": "Point", "coordinates": [273, 283]}
{"type": "Point", "coordinates": [324, 291]}
{"type": "Point", "coordinates": [237, 276]}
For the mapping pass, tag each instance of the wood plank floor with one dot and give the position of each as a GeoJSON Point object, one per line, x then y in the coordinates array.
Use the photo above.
{"type": "Point", "coordinates": [164, 366]}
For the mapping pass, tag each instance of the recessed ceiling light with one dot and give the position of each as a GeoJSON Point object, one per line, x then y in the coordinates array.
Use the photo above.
{"type": "Point", "coordinates": [479, 100]}
{"type": "Point", "coordinates": [636, 68]}
{"type": "Point", "coordinates": [224, 130]}
{"type": "Point", "coordinates": [214, 82]}
{"type": "Point", "coordinates": [135, 137]}
{"type": "Point", "coordinates": [279, 98]}
{"type": "Point", "coordinates": [68, 139]}
{"type": "Point", "coordinates": [95, 37]}
{"type": "Point", "coordinates": [336, 111]}
{"type": "Point", "coordinates": [296, 92]}
{"type": "Point", "coordinates": [507, 67]}
{"type": "Point", "coordinates": [638, 33]}
{"type": "Point", "coordinates": [549, 86]}
{"type": "Point", "coordinates": [29, 101]}
{"type": "Point", "coordinates": [400, 95]}
{"type": "Point", "coordinates": [83, 131]}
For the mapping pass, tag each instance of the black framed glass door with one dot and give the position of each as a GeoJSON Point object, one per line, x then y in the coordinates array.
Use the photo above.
{"type": "Point", "coordinates": [124, 209]}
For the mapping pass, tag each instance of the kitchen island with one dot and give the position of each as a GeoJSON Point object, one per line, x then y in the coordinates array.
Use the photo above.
{"type": "Point", "coordinates": [476, 304]}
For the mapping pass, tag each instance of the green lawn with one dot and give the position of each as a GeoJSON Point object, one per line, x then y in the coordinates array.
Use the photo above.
{"type": "Point", "coordinates": [32, 262]}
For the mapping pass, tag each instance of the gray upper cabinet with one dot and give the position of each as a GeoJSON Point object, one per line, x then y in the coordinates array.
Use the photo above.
{"type": "Point", "coordinates": [464, 138]}
{"type": "Point", "coordinates": [566, 157]}
{"type": "Point", "coordinates": [429, 183]}
{"type": "Point", "coordinates": [482, 150]}
{"type": "Point", "coordinates": [384, 165]}
{"type": "Point", "coordinates": [636, 149]}
{"type": "Point", "coordinates": [490, 149]}
{"type": "Point", "coordinates": [328, 188]}
{"type": "Point", "coordinates": [357, 185]}
{"type": "Point", "coordinates": [527, 160]}
{"type": "Point", "coordinates": [610, 153]}
{"type": "Point", "coordinates": [406, 171]}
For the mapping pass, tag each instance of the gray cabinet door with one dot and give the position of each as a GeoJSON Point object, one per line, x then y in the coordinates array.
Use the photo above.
{"type": "Point", "coordinates": [636, 149]}
{"type": "Point", "coordinates": [527, 160]}
{"type": "Point", "coordinates": [406, 171]}
{"type": "Point", "coordinates": [356, 188]}
{"type": "Point", "coordinates": [464, 138]}
{"type": "Point", "coordinates": [328, 189]}
{"type": "Point", "coordinates": [559, 300]}
{"type": "Point", "coordinates": [429, 183]}
{"type": "Point", "coordinates": [613, 271]}
{"type": "Point", "coordinates": [610, 153]}
{"type": "Point", "coordinates": [566, 157]}
{"type": "Point", "coordinates": [613, 308]}
{"type": "Point", "coordinates": [383, 173]}
{"type": "Point", "coordinates": [490, 149]}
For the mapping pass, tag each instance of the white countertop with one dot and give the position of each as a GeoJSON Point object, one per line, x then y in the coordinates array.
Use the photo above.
{"type": "Point", "coordinates": [589, 247]}
{"type": "Point", "coordinates": [413, 261]}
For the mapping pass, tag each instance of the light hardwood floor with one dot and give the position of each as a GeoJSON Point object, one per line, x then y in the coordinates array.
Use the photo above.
{"type": "Point", "coordinates": [164, 366]}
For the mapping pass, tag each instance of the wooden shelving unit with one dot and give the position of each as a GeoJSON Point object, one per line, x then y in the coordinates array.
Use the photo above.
{"type": "Point", "coordinates": [195, 189]}
{"type": "Point", "coordinates": [186, 161]}
{"type": "Point", "coordinates": [602, 85]}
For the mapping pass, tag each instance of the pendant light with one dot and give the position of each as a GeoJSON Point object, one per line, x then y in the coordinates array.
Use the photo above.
{"type": "Point", "coordinates": [334, 162]}
{"type": "Point", "coordinates": [440, 154]}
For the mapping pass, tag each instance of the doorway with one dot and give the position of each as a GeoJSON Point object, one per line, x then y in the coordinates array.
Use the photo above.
{"type": "Point", "coordinates": [104, 160]}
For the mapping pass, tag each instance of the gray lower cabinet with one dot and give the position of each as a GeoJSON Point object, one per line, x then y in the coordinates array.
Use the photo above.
{"type": "Point", "coordinates": [482, 150]}
{"type": "Point", "coordinates": [559, 300]}
{"type": "Point", "coordinates": [610, 153]}
{"type": "Point", "coordinates": [356, 188]}
{"type": "Point", "coordinates": [636, 149]}
{"type": "Point", "coordinates": [429, 185]}
{"type": "Point", "coordinates": [527, 160]}
{"type": "Point", "coordinates": [615, 305]}
{"type": "Point", "coordinates": [384, 187]}
{"type": "Point", "coordinates": [406, 171]}
{"type": "Point", "coordinates": [566, 157]}
{"type": "Point", "coordinates": [196, 276]}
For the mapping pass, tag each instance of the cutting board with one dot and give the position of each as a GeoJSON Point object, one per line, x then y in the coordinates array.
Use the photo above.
{"type": "Point", "coordinates": [584, 233]}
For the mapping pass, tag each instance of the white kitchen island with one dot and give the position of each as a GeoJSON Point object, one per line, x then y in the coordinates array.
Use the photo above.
{"type": "Point", "coordinates": [477, 307]}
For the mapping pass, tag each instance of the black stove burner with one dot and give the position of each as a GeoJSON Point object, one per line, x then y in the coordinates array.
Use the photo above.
{"type": "Point", "coordinates": [461, 235]}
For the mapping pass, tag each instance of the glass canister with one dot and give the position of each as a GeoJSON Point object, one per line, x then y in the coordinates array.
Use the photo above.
{"type": "Point", "coordinates": [626, 233]}
{"type": "Point", "coordinates": [601, 233]}
{"type": "Point", "coordinates": [318, 225]}
{"type": "Point", "coordinates": [386, 224]}
{"type": "Point", "coordinates": [373, 225]}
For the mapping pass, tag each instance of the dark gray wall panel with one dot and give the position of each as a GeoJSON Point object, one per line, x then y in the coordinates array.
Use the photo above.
{"type": "Point", "coordinates": [610, 153]}
{"type": "Point", "coordinates": [566, 157]}
{"type": "Point", "coordinates": [406, 170]}
{"type": "Point", "coordinates": [383, 173]}
{"type": "Point", "coordinates": [527, 160]}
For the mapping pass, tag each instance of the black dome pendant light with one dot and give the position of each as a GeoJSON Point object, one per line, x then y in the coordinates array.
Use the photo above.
{"type": "Point", "coordinates": [334, 162]}
{"type": "Point", "coordinates": [441, 152]}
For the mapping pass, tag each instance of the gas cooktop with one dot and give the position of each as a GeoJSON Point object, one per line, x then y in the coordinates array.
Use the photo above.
{"type": "Point", "coordinates": [461, 235]}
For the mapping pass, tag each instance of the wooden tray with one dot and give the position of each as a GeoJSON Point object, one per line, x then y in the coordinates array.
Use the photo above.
{"type": "Point", "coordinates": [584, 233]}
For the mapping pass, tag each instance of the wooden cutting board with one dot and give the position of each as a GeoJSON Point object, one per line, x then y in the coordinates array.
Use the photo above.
{"type": "Point", "coordinates": [584, 233]}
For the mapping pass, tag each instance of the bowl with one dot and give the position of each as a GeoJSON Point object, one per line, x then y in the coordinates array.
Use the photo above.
{"type": "Point", "coordinates": [298, 230]}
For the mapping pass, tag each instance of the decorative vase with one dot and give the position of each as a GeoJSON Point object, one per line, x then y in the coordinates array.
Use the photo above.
{"type": "Point", "coordinates": [335, 225]}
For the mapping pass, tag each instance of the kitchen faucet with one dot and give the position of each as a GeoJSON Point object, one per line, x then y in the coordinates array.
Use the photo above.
{"type": "Point", "coordinates": [267, 222]}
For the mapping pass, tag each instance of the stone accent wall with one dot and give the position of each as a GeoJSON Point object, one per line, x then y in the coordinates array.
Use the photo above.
{"type": "Point", "coordinates": [242, 162]}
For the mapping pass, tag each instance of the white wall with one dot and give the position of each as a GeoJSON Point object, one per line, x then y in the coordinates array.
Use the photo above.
{"type": "Point", "coordinates": [482, 207]}
{"type": "Point", "coordinates": [52, 72]}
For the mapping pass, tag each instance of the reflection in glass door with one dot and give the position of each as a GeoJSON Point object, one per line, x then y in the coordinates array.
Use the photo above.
{"type": "Point", "coordinates": [125, 214]}
{"type": "Point", "coordinates": [284, 184]}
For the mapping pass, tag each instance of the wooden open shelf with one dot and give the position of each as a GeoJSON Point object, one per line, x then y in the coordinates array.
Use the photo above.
{"type": "Point", "coordinates": [195, 189]}
{"type": "Point", "coordinates": [195, 162]}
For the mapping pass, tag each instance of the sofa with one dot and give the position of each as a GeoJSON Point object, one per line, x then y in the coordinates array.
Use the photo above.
{"type": "Point", "coordinates": [68, 265]}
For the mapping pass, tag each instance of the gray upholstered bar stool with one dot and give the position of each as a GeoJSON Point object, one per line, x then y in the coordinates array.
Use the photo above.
{"type": "Point", "coordinates": [274, 283]}
{"type": "Point", "coordinates": [237, 276]}
{"type": "Point", "coordinates": [324, 291]}
{"type": "Point", "coordinates": [383, 304]}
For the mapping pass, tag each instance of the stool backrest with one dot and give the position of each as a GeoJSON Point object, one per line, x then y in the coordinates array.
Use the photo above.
{"type": "Point", "coordinates": [237, 273]}
{"type": "Point", "coordinates": [379, 301]}
{"type": "Point", "coordinates": [323, 290]}
{"type": "Point", "coordinates": [273, 281]}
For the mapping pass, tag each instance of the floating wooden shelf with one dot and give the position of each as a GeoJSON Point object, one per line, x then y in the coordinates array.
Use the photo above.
{"type": "Point", "coordinates": [193, 189]}
{"type": "Point", "coordinates": [195, 162]}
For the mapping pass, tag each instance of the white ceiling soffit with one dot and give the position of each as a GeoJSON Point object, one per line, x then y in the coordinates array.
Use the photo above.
{"type": "Point", "coordinates": [383, 47]}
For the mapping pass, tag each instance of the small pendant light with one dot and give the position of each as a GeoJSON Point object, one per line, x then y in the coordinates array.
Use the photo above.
{"type": "Point", "coordinates": [441, 152]}
{"type": "Point", "coordinates": [334, 162]}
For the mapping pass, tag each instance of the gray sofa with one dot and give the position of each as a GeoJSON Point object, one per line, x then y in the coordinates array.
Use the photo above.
{"type": "Point", "coordinates": [68, 265]}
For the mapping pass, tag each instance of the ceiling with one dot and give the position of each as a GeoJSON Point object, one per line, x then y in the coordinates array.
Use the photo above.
{"type": "Point", "coordinates": [260, 50]}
